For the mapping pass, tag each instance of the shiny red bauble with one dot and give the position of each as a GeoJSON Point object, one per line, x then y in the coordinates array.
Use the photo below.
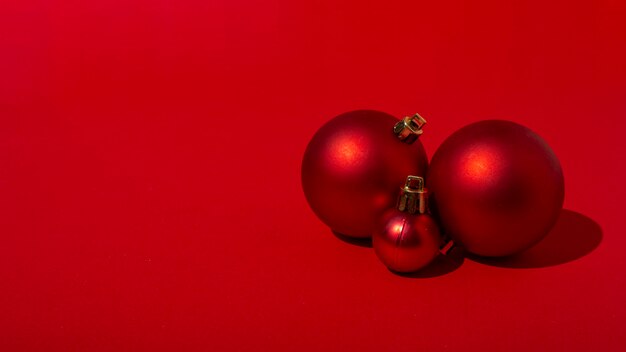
{"type": "Point", "coordinates": [352, 168]}
{"type": "Point", "coordinates": [408, 238]}
{"type": "Point", "coordinates": [405, 242]}
{"type": "Point", "coordinates": [496, 187]}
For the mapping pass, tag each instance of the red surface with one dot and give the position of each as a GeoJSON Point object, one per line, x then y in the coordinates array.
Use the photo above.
{"type": "Point", "coordinates": [149, 173]}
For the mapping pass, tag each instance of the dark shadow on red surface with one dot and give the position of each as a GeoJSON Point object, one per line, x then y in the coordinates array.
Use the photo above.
{"type": "Point", "coordinates": [442, 265]}
{"type": "Point", "coordinates": [573, 237]}
{"type": "Point", "coordinates": [361, 242]}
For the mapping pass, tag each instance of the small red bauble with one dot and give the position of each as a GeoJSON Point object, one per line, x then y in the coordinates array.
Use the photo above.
{"type": "Point", "coordinates": [353, 165]}
{"type": "Point", "coordinates": [496, 187]}
{"type": "Point", "coordinates": [408, 238]}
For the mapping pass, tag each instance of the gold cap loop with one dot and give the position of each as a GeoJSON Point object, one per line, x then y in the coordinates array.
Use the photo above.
{"type": "Point", "coordinates": [409, 128]}
{"type": "Point", "coordinates": [413, 196]}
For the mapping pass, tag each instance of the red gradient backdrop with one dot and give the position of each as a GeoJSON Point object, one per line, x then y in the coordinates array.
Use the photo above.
{"type": "Point", "coordinates": [150, 173]}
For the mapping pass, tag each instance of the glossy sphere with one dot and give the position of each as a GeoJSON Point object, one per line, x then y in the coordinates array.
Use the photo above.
{"type": "Point", "coordinates": [496, 186]}
{"type": "Point", "coordinates": [353, 167]}
{"type": "Point", "coordinates": [407, 243]}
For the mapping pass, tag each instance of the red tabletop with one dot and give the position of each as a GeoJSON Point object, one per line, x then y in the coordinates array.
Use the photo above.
{"type": "Point", "coordinates": [150, 173]}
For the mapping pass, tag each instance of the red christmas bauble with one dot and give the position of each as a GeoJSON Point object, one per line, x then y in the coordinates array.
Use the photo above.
{"type": "Point", "coordinates": [407, 243]}
{"type": "Point", "coordinates": [352, 168]}
{"type": "Point", "coordinates": [408, 238]}
{"type": "Point", "coordinates": [496, 187]}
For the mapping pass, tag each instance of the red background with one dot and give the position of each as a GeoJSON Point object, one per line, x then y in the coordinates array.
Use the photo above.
{"type": "Point", "coordinates": [150, 173]}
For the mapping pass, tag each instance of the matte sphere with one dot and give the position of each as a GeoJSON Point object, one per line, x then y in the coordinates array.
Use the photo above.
{"type": "Point", "coordinates": [496, 187]}
{"type": "Point", "coordinates": [353, 167]}
{"type": "Point", "coordinates": [407, 243]}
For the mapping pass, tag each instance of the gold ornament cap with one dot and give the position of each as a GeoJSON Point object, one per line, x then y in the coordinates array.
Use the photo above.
{"type": "Point", "coordinates": [409, 128]}
{"type": "Point", "coordinates": [413, 197]}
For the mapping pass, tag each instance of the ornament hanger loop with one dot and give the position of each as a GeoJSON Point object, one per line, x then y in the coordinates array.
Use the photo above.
{"type": "Point", "coordinates": [409, 128]}
{"type": "Point", "coordinates": [414, 184]}
{"type": "Point", "coordinates": [413, 197]}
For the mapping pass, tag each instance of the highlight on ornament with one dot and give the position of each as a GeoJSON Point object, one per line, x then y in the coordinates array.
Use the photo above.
{"type": "Point", "coordinates": [493, 187]}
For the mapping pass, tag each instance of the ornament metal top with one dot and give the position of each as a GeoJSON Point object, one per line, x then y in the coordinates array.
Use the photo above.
{"type": "Point", "coordinates": [413, 196]}
{"type": "Point", "coordinates": [409, 128]}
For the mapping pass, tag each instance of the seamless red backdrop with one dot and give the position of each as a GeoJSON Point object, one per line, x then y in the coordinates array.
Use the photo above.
{"type": "Point", "coordinates": [150, 173]}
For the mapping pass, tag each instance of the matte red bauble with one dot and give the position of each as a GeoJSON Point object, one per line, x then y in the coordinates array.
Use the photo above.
{"type": "Point", "coordinates": [408, 238]}
{"type": "Point", "coordinates": [353, 165]}
{"type": "Point", "coordinates": [496, 187]}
